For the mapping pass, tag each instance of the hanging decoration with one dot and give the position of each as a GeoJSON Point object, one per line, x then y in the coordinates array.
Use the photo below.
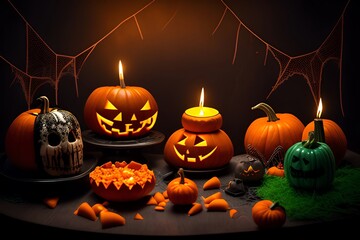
{"type": "Point", "coordinates": [55, 65]}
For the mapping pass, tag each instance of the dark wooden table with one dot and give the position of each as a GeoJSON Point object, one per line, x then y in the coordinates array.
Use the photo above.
{"type": "Point", "coordinates": [21, 206]}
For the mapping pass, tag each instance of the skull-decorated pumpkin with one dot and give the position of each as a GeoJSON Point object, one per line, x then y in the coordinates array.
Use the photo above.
{"type": "Point", "coordinates": [200, 144]}
{"type": "Point", "coordinates": [249, 169]}
{"type": "Point", "coordinates": [120, 112]}
{"type": "Point", "coordinates": [45, 140]}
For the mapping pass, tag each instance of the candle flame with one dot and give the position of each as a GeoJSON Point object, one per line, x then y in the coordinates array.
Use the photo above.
{"type": "Point", "coordinates": [121, 73]}
{"type": "Point", "coordinates": [319, 110]}
{"type": "Point", "coordinates": [201, 103]}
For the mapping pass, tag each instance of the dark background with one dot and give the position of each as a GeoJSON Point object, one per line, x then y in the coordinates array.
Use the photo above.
{"type": "Point", "coordinates": [179, 55]}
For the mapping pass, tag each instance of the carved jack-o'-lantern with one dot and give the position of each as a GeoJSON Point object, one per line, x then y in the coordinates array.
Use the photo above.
{"type": "Point", "coordinates": [310, 165]}
{"type": "Point", "coordinates": [249, 169]}
{"type": "Point", "coordinates": [198, 150]}
{"type": "Point", "coordinates": [120, 112]}
{"type": "Point", "coordinates": [200, 144]}
{"type": "Point", "coordinates": [45, 140]}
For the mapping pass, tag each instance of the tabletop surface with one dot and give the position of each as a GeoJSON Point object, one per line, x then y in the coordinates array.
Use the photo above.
{"type": "Point", "coordinates": [22, 200]}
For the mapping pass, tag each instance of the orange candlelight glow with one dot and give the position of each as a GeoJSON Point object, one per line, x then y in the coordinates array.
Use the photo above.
{"type": "Point", "coordinates": [201, 102]}
{"type": "Point", "coordinates": [319, 110]}
{"type": "Point", "coordinates": [202, 111]}
{"type": "Point", "coordinates": [121, 75]}
{"type": "Point", "coordinates": [318, 124]}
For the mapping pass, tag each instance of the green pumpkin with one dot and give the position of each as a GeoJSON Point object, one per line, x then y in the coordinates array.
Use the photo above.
{"type": "Point", "coordinates": [310, 165]}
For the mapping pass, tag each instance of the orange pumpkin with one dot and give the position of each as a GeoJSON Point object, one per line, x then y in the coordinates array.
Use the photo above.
{"type": "Point", "coordinates": [268, 214]}
{"type": "Point", "coordinates": [200, 144]}
{"type": "Point", "coordinates": [334, 137]}
{"type": "Point", "coordinates": [276, 171]}
{"type": "Point", "coordinates": [193, 150]}
{"type": "Point", "coordinates": [120, 112]}
{"type": "Point", "coordinates": [265, 134]}
{"type": "Point", "coordinates": [182, 190]}
{"type": "Point", "coordinates": [122, 182]}
{"type": "Point", "coordinates": [201, 124]}
{"type": "Point", "coordinates": [19, 141]}
{"type": "Point", "coordinates": [45, 140]}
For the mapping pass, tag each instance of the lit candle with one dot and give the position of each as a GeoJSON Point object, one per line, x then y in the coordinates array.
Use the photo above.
{"type": "Point", "coordinates": [318, 125]}
{"type": "Point", "coordinates": [121, 76]}
{"type": "Point", "coordinates": [202, 111]}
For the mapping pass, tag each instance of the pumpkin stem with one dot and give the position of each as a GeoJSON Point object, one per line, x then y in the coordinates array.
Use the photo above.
{"type": "Point", "coordinates": [182, 175]}
{"type": "Point", "coordinates": [311, 141]}
{"type": "Point", "coordinates": [268, 110]}
{"type": "Point", "coordinates": [44, 104]}
{"type": "Point", "coordinates": [274, 205]}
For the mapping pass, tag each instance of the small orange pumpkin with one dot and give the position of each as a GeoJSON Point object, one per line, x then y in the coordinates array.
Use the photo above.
{"type": "Point", "coordinates": [122, 182]}
{"type": "Point", "coordinates": [265, 134]}
{"type": "Point", "coordinates": [182, 190]}
{"type": "Point", "coordinates": [268, 214]}
{"type": "Point", "coordinates": [276, 171]}
{"type": "Point", "coordinates": [334, 137]}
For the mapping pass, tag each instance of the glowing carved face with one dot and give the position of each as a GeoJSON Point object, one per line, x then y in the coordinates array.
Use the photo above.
{"type": "Point", "coordinates": [126, 122]}
{"type": "Point", "coordinates": [249, 169]}
{"type": "Point", "coordinates": [193, 148]}
{"type": "Point", "coordinates": [118, 112]}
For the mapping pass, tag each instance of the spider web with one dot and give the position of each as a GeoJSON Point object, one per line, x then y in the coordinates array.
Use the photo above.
{"type": "Point", "coordinates": [309, 65]}
{"type": "Point", "coordinates": [44, 66]}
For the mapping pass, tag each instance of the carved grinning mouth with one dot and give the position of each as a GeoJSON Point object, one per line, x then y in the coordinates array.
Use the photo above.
{"type": "Point", "coordinates": [306, 174]}
{"type": "Point", "coordinates": [187, 158]}
{"type": "Point", "coordinates": [107, 125]}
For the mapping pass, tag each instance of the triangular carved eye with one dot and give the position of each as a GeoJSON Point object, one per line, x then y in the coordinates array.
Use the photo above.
{"type": "Point", "coordinates": [110, 106]}
{"type": "Point", "coordinates": [118, 117]}
{"type": "Point", "coordinates": [295, 159]}
{"type": "Point", "coordinates": [306, 161]}
{"type": "Point", "coordinates": [146, 106]}
{"type": "Point", "coordinates": [200, 142]}
{"type": "Point", "coordinates": [183, 140]}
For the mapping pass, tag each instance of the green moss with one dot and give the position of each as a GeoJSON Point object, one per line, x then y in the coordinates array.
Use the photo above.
{"type": "Point", "coordinates": [341, 200]}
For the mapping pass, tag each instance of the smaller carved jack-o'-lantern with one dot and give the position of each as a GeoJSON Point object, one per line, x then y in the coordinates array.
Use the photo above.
{"type": "Point", "coordinates": [45, 140]}
{"type": "Point", "coordinates": [120, 112]}
{"type": "Point", "coordinates": [198, 150]}
{"type": "Point", "coordinates": [200, 144]}
{"type": "Point", "coordinates": [310, 165]}
{"type": "Point", "coordinates": [249, 169]}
